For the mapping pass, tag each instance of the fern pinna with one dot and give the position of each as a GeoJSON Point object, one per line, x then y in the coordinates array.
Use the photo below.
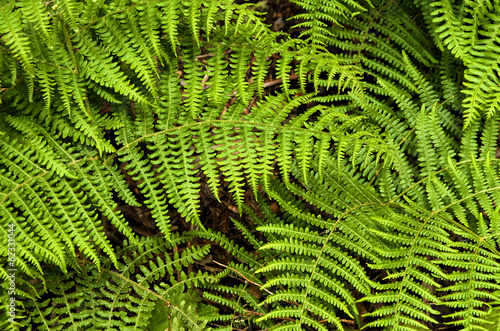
{"type": "Point", "coordinates": [381, 157]}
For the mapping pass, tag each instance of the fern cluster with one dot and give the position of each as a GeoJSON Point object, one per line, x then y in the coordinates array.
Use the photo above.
{"type": "Point", "coordinates": [381, 156]}
{"type": "Point", "coordinates": [130, 296]}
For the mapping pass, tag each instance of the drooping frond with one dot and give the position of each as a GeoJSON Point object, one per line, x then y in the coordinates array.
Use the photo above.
{"type": "Point", "coordinates": [11, 29]}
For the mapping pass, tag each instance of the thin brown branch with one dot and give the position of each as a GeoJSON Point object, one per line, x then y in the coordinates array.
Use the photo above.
{"type": "Point", "coordinates": [246, 279]}
{"type": "Point", "coordinates": [279, 81]}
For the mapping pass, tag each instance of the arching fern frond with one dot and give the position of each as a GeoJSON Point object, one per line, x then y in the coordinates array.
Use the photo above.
{"type": "Point", "coordinates": [13, 36]}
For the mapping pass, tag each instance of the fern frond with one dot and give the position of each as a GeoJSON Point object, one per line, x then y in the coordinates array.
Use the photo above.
{"type": "Point", "coordinates": [170, 17]}
{"type": "Point", "coordinates": [124, 44]}
{"type": "Point", "coordinates": [141, 169]}
{"type": "Point", "coordinates": [407, 310]}
{"type": "Point", "coordinates": [320, 14]}
{"type": "Point", "coordinates": [95, 64]}
{"type": "Point", "coordinates": [129, 297]}
{"type": "Point", "coordinates": [176, 170]}
{"type": "Point", "coordinates": [218, 75]}
{"type": "Point", "coordinates": [38, 145]}
{"type": "Point", "coordinates": [239, 64]}
{"type": "Point", "coordinates": [260, 67]}
{"type": "Point", "coordinates": [194, 77]}
{"type": "Point", "coordinates": [149, 21]}
{"type": "Point", "coordinates": [207, 158]}
{"type": "Point", "coordinates": [13, 36]}
{"type": "Point", "coordinates": [62, 204]}
{"type": "Point", "coordinates": [449, 31]}
{"type": "Point", "coordinates": [193, 13]}
{"type": "Point", "coordinates": [36, 13]}
{"type": "Point", "coordinates": [481, 76]}
{"type": "Point", "coordinates": [71, 10]}
{"type": "Point", "coordinates": [451, 80]}
{"type": "Point", "coordinates": [230, 162]}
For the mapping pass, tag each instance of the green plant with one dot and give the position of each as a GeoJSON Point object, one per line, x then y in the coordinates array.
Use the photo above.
{"type": "Point", "coordinates": [379, 148]}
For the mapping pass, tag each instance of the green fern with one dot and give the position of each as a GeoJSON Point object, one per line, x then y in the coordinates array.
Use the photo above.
{"type": "Point", "coordinates": [367, 180]}
{"type": "Point", "coordinates": [131, 296]}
